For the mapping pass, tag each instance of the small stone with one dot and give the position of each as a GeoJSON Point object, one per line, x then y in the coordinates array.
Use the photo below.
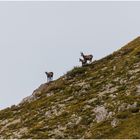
{"type": "Point", "coordinates": [92, 100]}
{"type": "Point", "coordinates": [132, 106]}
{"type": "Point", "coordinates": [138, 90]}
{"type": "Point", "coordinates": [114, 68]}
{"type": "Point", "coordinates": [115, 122]}
{"type": "Point", "coordinates": [122, 107]}
{"type": "Point", "coordinates": [101, 113]}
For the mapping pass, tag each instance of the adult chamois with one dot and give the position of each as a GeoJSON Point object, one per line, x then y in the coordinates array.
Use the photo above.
{"type": "Point", "coordinates": [87, 57]}
{"type": "Point", "coordinates": [49, 76]}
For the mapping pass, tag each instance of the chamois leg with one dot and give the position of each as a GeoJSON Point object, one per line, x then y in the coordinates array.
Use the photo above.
{"type": "Point", "coordinates": [51, 78]}
{"type": "Point", "coordinates": [90, 61]}
{"type": "Point", "coordinates": [48, 79]}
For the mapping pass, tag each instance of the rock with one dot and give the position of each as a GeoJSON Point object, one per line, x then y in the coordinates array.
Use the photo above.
{"type": "Point", "coordinates": [68, 99]}
{"type": "Point", "coordinates": [20, 132]}
{"type": "Point", "coordinates": [137, 65]}
{"type": "Point", "coordinates": [101, 77]}
{"type": "Point", "coordinates": [128, 93]}
{"type": "Point", "coordinates": [78, 120]}
{"type": "Point", "coordinates": [55, 110]}
{"type": "Point", "coordinates": [138, 90]}
{"type": "Point", "coordinates": [112, 96]}
{"type": "Point", "coordinates": [108, 89]}
{"type": "Point", "coordinates": [58, 132]}
{"type": "Point", "coordinates": [86, 107]}
{"type": "Point", "coordinates": [103, 69]}
{"type": "Point", "coordinates": [123, 81]}
{"type": "Point", "coordinates": [10, 123]}
{"type": "Point", "coordinates": [92, 100]}
{"type": "Point", "coordinates": [81, 84]}
{"type": "Point", "coordinates": [132, 106]}
{"type": "Point", "coordinates": [86, 87]}
{"type": "Point", "coordinates": [110, 114]}
{"type": "Point", "coordinates": [114, 68]}
{"type": "Point", "coordinates": [117, 79]}
{"type": "Point", "coordinates": [122, 107]}
{"type": "Point", "coordinates": [48, 114]}
{"type": "Point", "coordinates": [89, 79]}
{"type": "Point", "coordinates": [74, 120]}
{"type": "Point", "coordinates": [101, 113]}
{"type": "Point", "coordinates": [87, 135]}
{"type": "Point", "coordinates": [4, 122]}
{"type": "Point", "coordinates": [115, 122]}
{"type": "Point", "coordinates": [49, 94]}
{"type": "Point", "coordinates": [30, 98]}
{"type": "Point", "coordinates": [132, 77]}
{"type": "Point", "coordinates": [133, 71]}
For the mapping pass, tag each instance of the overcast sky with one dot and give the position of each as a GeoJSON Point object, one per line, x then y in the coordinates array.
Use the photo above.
{"type": "Point", "coordinates": [48, 36]}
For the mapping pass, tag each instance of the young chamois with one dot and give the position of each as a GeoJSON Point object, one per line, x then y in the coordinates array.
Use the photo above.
{"type": "Point", "coordinates": [84, 62]}
{"type": "Point", "coordinates": [87, 57]}
{"type": "Point", "coordinates": [49, 76]}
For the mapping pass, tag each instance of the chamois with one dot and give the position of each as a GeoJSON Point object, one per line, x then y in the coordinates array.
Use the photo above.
{"type": "Point", "coordinates": [87, 57]}
{"type": "Point", "coordinates": [84, 62]}
{"type": "Point", "coordinates": [49, 76]}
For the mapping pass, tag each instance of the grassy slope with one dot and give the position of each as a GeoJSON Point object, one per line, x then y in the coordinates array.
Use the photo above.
{"type": "Point", "coordinates": [68, 111]}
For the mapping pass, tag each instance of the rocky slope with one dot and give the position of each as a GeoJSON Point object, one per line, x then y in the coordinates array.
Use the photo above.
{"type": "Point", "coordinates": [100, 100]}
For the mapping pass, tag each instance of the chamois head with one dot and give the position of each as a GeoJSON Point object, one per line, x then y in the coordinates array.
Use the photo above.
{"type": "Point", "coordinates": [46, 73]}
{"type": "Point", "coordinates": [49, 76]}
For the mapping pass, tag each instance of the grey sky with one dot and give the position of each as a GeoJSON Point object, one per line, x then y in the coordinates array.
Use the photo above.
{"type": "Point", "coordinates": [48, 36]}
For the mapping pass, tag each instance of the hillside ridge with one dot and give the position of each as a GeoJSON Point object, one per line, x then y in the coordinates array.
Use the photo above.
{"type": "Point", "coordinates": [99, 100]}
